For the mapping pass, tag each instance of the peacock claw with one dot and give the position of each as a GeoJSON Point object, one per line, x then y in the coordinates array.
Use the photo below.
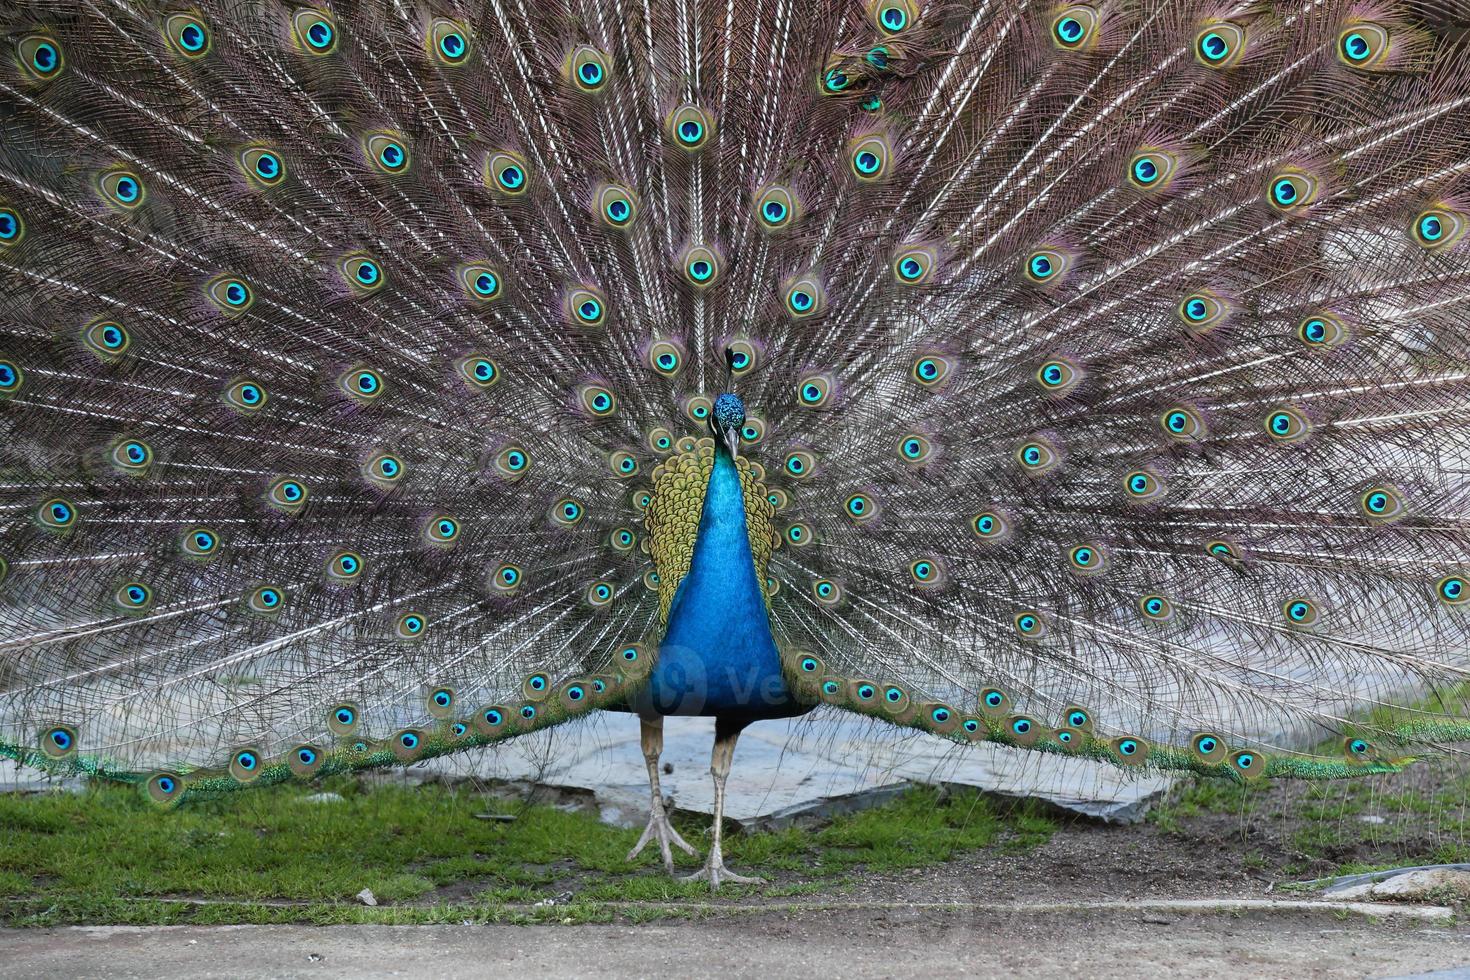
{"type": "Point", "coordinates": [715, 872]}
{"type": "Point", "coordinates": [659, 828]}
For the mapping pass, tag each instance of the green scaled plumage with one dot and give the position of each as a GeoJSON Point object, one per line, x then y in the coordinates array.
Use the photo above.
{"type": "Point", "coordinates": [1103, 366]}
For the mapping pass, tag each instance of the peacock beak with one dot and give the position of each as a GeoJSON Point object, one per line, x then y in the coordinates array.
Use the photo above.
{"type": "Point", "coordinates": [731, 438]}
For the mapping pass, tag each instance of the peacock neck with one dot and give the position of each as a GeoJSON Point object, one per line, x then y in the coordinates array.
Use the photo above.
{"type": "Point", "coordinates": [718, 656]}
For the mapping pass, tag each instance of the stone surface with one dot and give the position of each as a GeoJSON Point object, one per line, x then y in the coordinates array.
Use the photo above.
{"type": "Point", "coordinates": [1413, 885]}
{"type": "Point", "coordinates": [367, 897]}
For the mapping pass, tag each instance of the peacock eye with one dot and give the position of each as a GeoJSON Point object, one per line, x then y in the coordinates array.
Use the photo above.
{"type": "Point", "coordinates": [107, 339]}
{"type": "Point", "coordinates": [512, 462]}
{"type": "Point", "coordinates": [1438, 228]}
{"type": "Point", "coordinates": [344, 566]}
{"type": "Point", "coordinates": [869, 157]}
{"type": "Point", "coordinates": [778, 499]}
{"type": "Point", "coordinates": [478, 371]}
{"type": "Point", "coordinates": [914, 448]}
{"type": "Point", "coordinates": [246, 396]}
{"type": "Point", "coordinates": [567, 512]}
{"type": "Point", "coordinates": [1220, 44]}
{"type": "Point", "coordinates": [1074, 27]}
{"type": "Point", "coordinates": [387, 152]}
{"type": "Point", "coordinates": [586, 307]}
{"type": "Point", "coordinates": [1292, 190]}
{"type": "Point", "coordinates": [1453, 590]}
{"type": "Point", "coordinates": [1382, 505]}
{"type": "Point", "coordinates": [931, 370]}
{"type": "Point", "coordinates": [1301, 613]}
{"type": "Point", "coordinates": [1183, 423]}
{"type": "Point", "coordinates": [131, 456]}
{"type": "Point", "coordinates": [362, 383]}
{"type": "Point", "coordinates": [448, 42]}
{"type": "Point", "coordinates": [597, 401]}
{"type": "Point", "coordinates": [587, 67]}
{"type": "Point", "coordinates": [1046, 266]}
{"type": "Point", "coordinates": [1037, 456]}
{"type": "Point", "coordinates": [133, 597]}
{"type": "Point", "coordinates": [799, 464]}
{"type": "Point", "coordinates": [1087, 559]}
{"type": "Point", "coordinates": [407, 627]}
{"type": "Point", "coordinates": [164, 788]}
{"type": "Point", "coordinates": [927, 572]}
{"type": "Point", "coordinates": [441, 530]}
{"type": "Point", "coordinates": [990, 525]}
{"type": "Point", "coordinates": [860, 507]}
{"type": "Point", "coordinates": [12, 227]}
{"type": "Point", "coordinates": [267, 600]}
{"type": "Point", "coordinates": [233, 296]}
{"type": "Point", "coordinates": [362, 273]}
{"type": "Point", "coordinates": [287, 495]}
{"type": "Point", "coordinates": [506, 579]}
{"type": "Point", "coordinates": [776, 207]}
{"type": "Point", "coordinates": [914, 265]}
{"type": "Point", "coordinates": [814, 390]}
{"type": "Point", "coordinates": [615, 205]}
{"type": "Point", "coordinates": [59, 742]}
{"type": "Point", "coordinates": [123, 188]}
{"type": "Point", "coordinates": [1152, 169]}
{"type": "Point", "coordinates": [315, 31]}
{"type": "Point", "coordinates": [690, 127]}
{"type": "Point", "coordinates": [623, 464]}
{"type": "Point", "coordinates": [57, 514]}
{"type": "Point", "coordinates": [1363, 44]}
{"type": "Point", "coordinates": [701, 266]}
{"type": "Point", "coordinates": [1322, 330]}
{"type": "Point", "coordinates": [665, 357]}
{"type": "Point", "coordinates": [1209, 748]}
{"type": "Point", "coordinates": [827, 592]}
{"type": "Point", "coordinates": [804, 297]}
{"type": "Point", "coordinates": [40, 56]}
{"type": "Point", "coordinates": [892, 16]}
{"type": "Point", "coordinates": [598, 594]}
{"type": "Point", "coordinates": [698, 408]}
{"type": "Point", "coordinates": [1143, 485]}
{"type": "Point", "coordinates": [799, 535]}
{"type": "Point", "coordinates": [187, 34]}
{"type": "Point", "coordinates": [1224, 551]}
{"type": "Point", "coordinates": [1287, 425]}
{"type": "Point", "coordinates": [1058, 376]}
{"type": "Point", "coordinates": [506, 173]}
{"type": "Point", "coordinates": [1029, 625]}
{"type": "Point", "coordinates": [262, 166]}
{"type": "Point", "coordinates": [200, 542]}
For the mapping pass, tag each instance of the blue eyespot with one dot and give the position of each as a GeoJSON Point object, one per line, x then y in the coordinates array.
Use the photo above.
{"type": "Point", "coordinates": [630, 654]}
{"type": "Point", "coordinates": [528, 712]}
{"type": "Point", "coordinates": [1128, 747]}
{"type": "Point", "coordinates": [319, 35]}
{"type": "Point", "coordinates": [192, 37]}
{"type": "Point", "coordinates": [774, 211]}
{"type": "Point", "coordinates": [9, 225]}
{"type": "Point", "coordinates": [408, 740]}
{"type": "Point", "coordinates": [1431, 229]}
{"type": "Point", "coordinates": [305, 756]}
{"type": "Point", "coordinates": [1021, 726]}
{"type": "Point", "coordinates": [867, 162]}
{"type": "Point", "coordinates": [345, 716]}
{"type": "Point", "coordinates": [1355, 47]}
{"type": "Point", "coordinates": [994, 699]}
{"type": "Point", "coordinates": [1213, 47]}
{"type": "Point", "coordinates": [1041, 266]}
{"type": "Point", "coordinates": [61, 738]}
{"type": "Point", "coordinates": [452, 45]}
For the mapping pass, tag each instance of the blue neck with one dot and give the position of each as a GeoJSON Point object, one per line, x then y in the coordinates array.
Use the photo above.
{"type": "Point", "coordinates": [717, 655]}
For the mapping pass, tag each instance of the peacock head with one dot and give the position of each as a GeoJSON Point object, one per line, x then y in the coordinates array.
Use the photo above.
{"type": "Point", "coordinates": [726, 421]}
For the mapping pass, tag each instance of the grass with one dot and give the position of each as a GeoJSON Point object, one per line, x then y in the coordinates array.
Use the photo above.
{"type": "Point", "coordinates": [108, 856]}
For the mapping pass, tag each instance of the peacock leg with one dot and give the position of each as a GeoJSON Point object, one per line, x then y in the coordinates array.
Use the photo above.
{"type": "Point", "coordinates": [652, 737]}
{"type": "Point", "coordinates": [714, 869]}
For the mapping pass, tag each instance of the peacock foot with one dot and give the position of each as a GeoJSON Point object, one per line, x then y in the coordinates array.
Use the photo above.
{"type": "Point", "coordinates": [661, 830]}
{"type": "Point", "coordinates": [715, 872]}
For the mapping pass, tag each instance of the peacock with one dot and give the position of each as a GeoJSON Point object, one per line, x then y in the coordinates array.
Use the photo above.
{"type": "Point", "coordinates": [384, 380]}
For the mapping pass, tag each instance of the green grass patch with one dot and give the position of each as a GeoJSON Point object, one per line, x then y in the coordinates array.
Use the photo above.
{"type": "Point", "coordinates": [108, 856]}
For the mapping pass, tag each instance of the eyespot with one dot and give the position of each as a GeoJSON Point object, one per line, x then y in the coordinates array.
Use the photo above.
{"type": "Point", "coordinates": [1144, 485]}
{"type": "Point", "coordinates": [1202, 311]}
{"type": "Point", "coordinates": [698, 408]}
{"type": "Point", "coordinates": [1291, 190]}
{"type": "Point", "coordinates": [1058, 376]}
{"type": "Point", "coordinates": [383, 470]}
{"type": "Point", "coordinates": [753, 431]}
{"type": "Point", "coordinates": [362, 273]}
{"type": "Point", "coordinates": [287, 494]}
{"type": "Point", "coordinates": [1225, 551]}
{"type": "Point", "coordinates": [586, 307]}
{"type": "Point", "coordinates": [1301, 612]}
{"type": "Point", "coordinates": [778, 499]}
{"type": "Point", "coordinates": [449, 43]}
{"type": "Point", "coordinates": [1453, 590]}
{"type": "Point", "coordinates": [315, 31]}
{"type": "Point", "coordinates": [1037, 456]}
{"type": "Point", "coordinates": [442, 530]}
{"type": "Point", "coordinates": [200, 542]}
{"type": "Point", "coordinates": [386, 152]}
{"type": "Point", "coordinates": [1208, 747]}
{"type": "Point", "coordinates": [263, 166]}
{"type": "Point", "coordinates": [568, 512]}
{"type": "Point", "coordinates": [1156, 608]}
{"type": "Point", "coordinates": [1152, 169]}
{"type": "Point", "coordinates": [245, 764]}
{"type": "Point", "coordinates": [893, 16]}
{"type": "Point", "coordinates": [58, 742]}
{"type": "Point", "coordinates": [108, 339]}
{"type": "Point", "coordinates": [1023, 729]}
{"type": "Point", "coordinates": [873, 104]}
{"type": "Point", "coordinates": [804, 297]}
{"type": "Point", "coordinates": [994, 701]}
{"type": "Point", "coordinates": [1287, 425]}
{"type": "Point", "coordinates": [245, 396]}
{"type": "Point", "coordinates": [690, 127]}
{"type": "Point", "coordinates": [233, 296]}
{"type": "Point", "coordinates": [1029, 624]}
{"type": "Point", "coordinates": [931, 370]}
{"type": "Point", "coordinates": [512, 462]}
{"type": "Point", "coordinates": [914, 449]}
{"type": "Point", "coordinates": [1183, 423]}
{"type": "Point", "coordinates": [689, 444]}
{"type": "Point", "coordinates": [267, 600]}
{"type": "Point", "coordinates": [913, 266]}
{"type": "Point", "coordinates": [1087, 559]}
{"type": "Point", "coordinates": [1129, 750]}
{"type": "Point", "coordinates": [506, 579]}
{"type": "Point", "coordinates": [131, 456]}
{"type": "Point", "coordinates": [701, 266]}
{"type": "Point", "coordinates": [12, 227]}
{"type": "Point", "coordinates": [776, 207]}
{"type": "Point", "coordinates": [490, 721]}
{"type": "Point", "coordinates": [928, 573]}
{"type": "Point", "coordinates": [860, 507]}
{"type": "Point", "coordinates": [304, 759]}
{"type": "Point", "coordinates": [588, 69]}
{"type": "Point", "coordinates": [1438, 227]}
{"type": "Point", "coordinates": [1074, 28]}
{"type": "Point", "coordinates": [407, 744]}
{"type": "Point", "coordinates": [1382, 505]}
{"type": "Point", "coordinates": [641, 500]}
{"type": "Point", "coordinates": [990, 525]}
{"type": "Point", "coordinates": [506, 173]}
{"type": "Point", "coordinates": [597, 401]}
{"type": "Point", "coordinates": [798, 535]}
{"type": "Point", "coordinates": [599, 594]}
{"type": "Point", "coordinates": [622, 463]}
{"type": "Point", "coordinates": [799, 464]}
{"type": "Point", "coordinates": [57, 514]}
{"type": "Point", "coordinates": [665, 357]}
{"type": "Point", "coordinates": [1046, 266]}
{"type": "Point", "coordinates": [1248, 764]}
{"type": "Point", "coordinates": [651, 580]}
{"type": "Point", "coordinates": [164, 788]}
{"type": "Point", "coordinates": [615, 205]}
{"type": "Point", "coordinates": [869, 157]}
{"type": "Point", "coordinates": [478, 371]}
{"type": "Point", "coordinates": [1322, 330]}
{"type": "Point", "coordinates": [1077, 719]}
{"type": "Point", "coordinates": [834, 79]}
{"type": "Point", "coordinates": [133, 597]}
{"type": "Point", "coordinates": [409, 626]}
{"type": "Point", "coordinates": [40, 56]}
{"type": "Point", "coordinates": [362, 383]}
{"type": "Point", "coordinates": [1363, 44]}
{"type": "Point", "coordinates": [741, 356]}
{"type": "Point", "coordinates": [187, 35]}
{"type": "Point", "coordinates": [827, 592]}
{"type": "Point", "coordinates": [813, 391]}
{"type": "Point", "coordinates": [1220, 44]}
